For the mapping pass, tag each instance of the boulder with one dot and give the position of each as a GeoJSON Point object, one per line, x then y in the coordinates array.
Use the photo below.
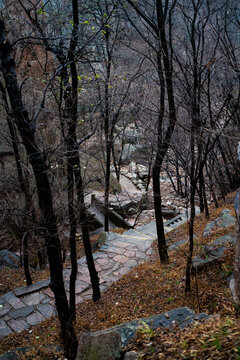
{"type": "Point", "coordinates": [142, 171]}
{"type": "Point", "coordinates": [223, 222]}
{"type": "Point", "coordinates": [132, 167]}
{"type": "Point", "coordinates": [109, 344]}
{"type": "Point", "coordinates": [9, 259]}
{"type": "Point", "coordinates": [98, 346]}
{"type": "Point", "coordinates": [213, 252]}
{"type": "Point", "coordinates": [146, 216]}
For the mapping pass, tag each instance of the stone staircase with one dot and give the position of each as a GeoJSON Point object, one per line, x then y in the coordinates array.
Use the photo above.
{"type": "Point", "coordinates": [28, 306]}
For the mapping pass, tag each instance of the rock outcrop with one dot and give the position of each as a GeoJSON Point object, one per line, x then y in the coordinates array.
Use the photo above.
{"type": "Point", "coordinates": [109, 344]}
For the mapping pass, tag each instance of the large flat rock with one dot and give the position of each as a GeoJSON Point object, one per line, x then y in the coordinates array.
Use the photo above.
{"type": "Point", "coordinates": [118, 337]}
{"type": "Point", "coordinates": [222, 222]}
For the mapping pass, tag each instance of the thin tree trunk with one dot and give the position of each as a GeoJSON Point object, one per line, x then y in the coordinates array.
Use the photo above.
{"type": "Point", "coordinates": [162, 247]}
{"type": "Point", "coordinates": [107, 129]}
{"type": "Point", "coordinates": [26, 260]}
{"type": "Point", "coordinates": [237, 253]}
{"type": "Point", "coordinates": [86, 239]}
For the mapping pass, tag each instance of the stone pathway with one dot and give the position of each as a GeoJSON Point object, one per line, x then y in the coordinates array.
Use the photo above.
{"type": "Point", "coordinates": [28, 306]}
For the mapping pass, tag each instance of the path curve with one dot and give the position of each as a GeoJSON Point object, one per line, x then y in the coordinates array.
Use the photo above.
{"type": "Point", "coordinates": [28, 306]}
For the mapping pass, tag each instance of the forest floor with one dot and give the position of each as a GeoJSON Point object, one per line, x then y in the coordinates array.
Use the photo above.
{"type": "Point", "coordinates": [149, 289]}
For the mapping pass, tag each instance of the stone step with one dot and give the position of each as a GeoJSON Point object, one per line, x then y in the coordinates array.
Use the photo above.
{"type": "Point", "coordinates": [32, 288]}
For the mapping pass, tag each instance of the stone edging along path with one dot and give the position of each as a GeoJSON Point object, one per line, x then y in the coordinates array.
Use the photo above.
{"type": "Point", "coordinates": [28, 306]}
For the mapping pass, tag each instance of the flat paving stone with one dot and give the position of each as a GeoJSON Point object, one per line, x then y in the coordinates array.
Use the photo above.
{"type": "Point", "coordinates": [18, 325]}
{"type": "Point", "coordinates": [47, 310]}
{"type": "Point", "coordinates": [105, 263]}
{"type": "Point", "coordinates": [80, 286]}
{"type": "Point", "coordinates": [149, 251]}
{"type": "Point", "coordinates": [82, 269]}
{"type": "Point", "coordinates": [14, 301]}
{"type": "Point", "coordinates": [144, 246]}
{"type": "Point", "coordinates": [22, 312]}
{"type": "Point", "coordinates": [111, 279]}
{"type": "Point", "coordinates": [66, 272]}
{"type": "Point", "coordinates": [148, 229]}
{"type": "Point", "coordinates": [4, 309]}
{"type": "Point", "coordinates": [35, 318]}
{"type": "Point", "coordinates": [129, 253]}
{"type": "Point", "coordinates": [112, 236]}
{"type": "Point", "coordinates": [122, 271]}
{"type": "Point", "coordinates": [100, 255]}
{"type": "Point", "coordinates": [78, 299]}
{"type": "Point", "coordinates": [87, 294]}
{"type": "Point", "coordinates": [140, 255]}
{"type": "Point", "coordinates": [82, 260]}
{"type": "Point", "coordinates": [98, 268]}
{"type": "Point", "coordinates": [131, 263]}
{"type": "Point", "coordinates": [121, 259]}
{"type": "Point", "coordinates": [113, 249]}
{"type": "Point", "coordinates": [105, 273]}
{"type": "Point", "coordinates": [34, 287]}
{"type": "Point", "coordinates": [2, 300]}
{"type": "Point", "coordinates": [121, 244]}
{"type": "Point", "coordinates": [136, 234]}
{"type": "Point", "coordinates": [84, 277]}
{"type": "Point", "coordinates": [4, 329]}
{"type": "Point", "coordinates": [111, 255]}
{"type": "Point", "coordinates": [48, 292]}
{"type": "Point", "coordinates": [34, 299]}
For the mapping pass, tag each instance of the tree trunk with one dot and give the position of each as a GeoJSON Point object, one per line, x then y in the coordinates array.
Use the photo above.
{"type": "Point", "coordinates": [36, 158]}
{"type": "Point", "coordinates": [237, 254]}
{"type": "Point", "coordinates": [107, 128]}
{"type": "Point", "coordinates": [162, 247]}
{"type": "Point", "coordinates": [26, 260]}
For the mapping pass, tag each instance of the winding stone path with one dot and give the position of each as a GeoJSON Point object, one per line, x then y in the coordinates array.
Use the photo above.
{"type": "Point", "coordinates": [28, 306]}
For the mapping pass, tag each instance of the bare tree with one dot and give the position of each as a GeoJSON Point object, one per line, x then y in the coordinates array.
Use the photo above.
{"type": "Point", "coordinates": [157, 19]}
{"type": "Point", "coordinates": [27, 132]}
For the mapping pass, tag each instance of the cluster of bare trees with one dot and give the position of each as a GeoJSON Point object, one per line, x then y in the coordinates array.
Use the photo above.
{"type": "Point", "coordinates": [75, 73]}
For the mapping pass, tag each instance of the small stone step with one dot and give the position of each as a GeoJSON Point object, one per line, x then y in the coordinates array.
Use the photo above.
{"type": "Point", "coordinates": [18, 325]}
{"type": "Point", "coordinates": [35, 318]}
{"type": "Point", "coordinates": [46, 310]}
{"type": "Point", "coordinates": [32, 288]}
{"type": "Point", "coordinates": [21, 313]}
{"type": "Point", "coordinates": [4, 329]}
{"type": "Point", "coordinates": [35, 299]}
{"type": "Point", "coordinates": [13, 300]}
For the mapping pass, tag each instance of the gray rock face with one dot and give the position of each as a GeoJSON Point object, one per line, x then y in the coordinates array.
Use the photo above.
{"type": "Point", "coordinates": [132, 355]}
{"type": "Point", "coordinates": [224, 221]}
{"type": "Point", "coordinates": [118, 337]}
{"type": "Point", "coordinates": [213, 252]}
{"type": "Point", "coordinates": [97, 347]}
{"type": "Point", "coordinates": [9, 259]}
